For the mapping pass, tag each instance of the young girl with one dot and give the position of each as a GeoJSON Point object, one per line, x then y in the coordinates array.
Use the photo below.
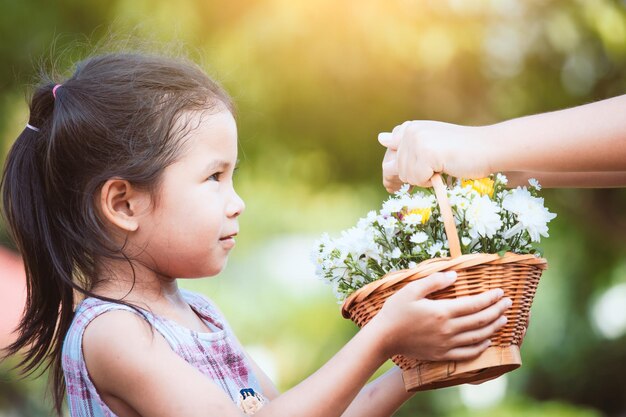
{"type": "Point", "coordinates": [122, 182]}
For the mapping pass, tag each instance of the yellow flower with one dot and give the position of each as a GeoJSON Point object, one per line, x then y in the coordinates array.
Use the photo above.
{"type": "Point", "coordinates": [424, 212]}
{"type": "Point", "coordinates": [482, 186]}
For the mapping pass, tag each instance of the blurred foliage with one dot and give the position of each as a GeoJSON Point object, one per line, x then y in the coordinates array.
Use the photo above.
{"type": "Point", "coordinates": [314, 83]}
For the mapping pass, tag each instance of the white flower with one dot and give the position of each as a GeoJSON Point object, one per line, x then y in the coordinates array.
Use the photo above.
{"type": "Point", "coordinates": [502, 179]}
{"type": "Point", "coordinates": [482, 217]}
{"type": "Point", "coordinates": [395, 253]}
{"type": "Point", "coordinates": [466, 241]}
{"type": "Point", "coordinates": [458, 200]}
{"type": "Point", "coordinates": [404, 189]}
{"type": "Point", "coordinates": [323, 247]}
{"type": "Point", "coordinates": [412, 219]}
{"type": "Point", "coordinates": [358, 242]}
{"type": "Point", "coordinates": [412, 265]}
{"type": "Point", "coordinates": [437, 250]}
{"type": "Point", "coordinates": [392, 206]}
{"type": "Point", "coordinates": [530, 212]}
{"type": "Point", "coordinates": [418, 237]}
{"type": "Point", "coordinates": [363, 224]}
{"type": "Point", "coordinates": [534, 183]}
{"type": "Point", "coordinates": [419, 201]}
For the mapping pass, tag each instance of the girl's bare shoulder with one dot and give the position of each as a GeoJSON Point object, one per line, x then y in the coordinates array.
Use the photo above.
{"type": "Point", "coordinates": [132, 362]}
{"type": "Point", "coordinates": [117, 344]}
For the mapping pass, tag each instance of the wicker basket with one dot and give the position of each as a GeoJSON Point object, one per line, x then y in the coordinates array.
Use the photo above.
{"type": "Point", "coordinates": [517, 275]}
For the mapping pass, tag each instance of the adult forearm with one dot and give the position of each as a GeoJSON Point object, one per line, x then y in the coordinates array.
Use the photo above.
{"type": "Point", "coordinates": [591, 138]}
{"type": "Point", "coordinates": [607, 179]}
{"type": "Point", "coordinates": [380, 398]}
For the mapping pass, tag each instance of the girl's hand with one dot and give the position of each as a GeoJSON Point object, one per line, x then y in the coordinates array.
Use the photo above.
{"type": "Point", "coordinates": [417, 149]}
{"type": "Point", "coordinates": [436, 330]}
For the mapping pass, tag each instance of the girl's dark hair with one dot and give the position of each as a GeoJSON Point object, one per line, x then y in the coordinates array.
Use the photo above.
{"type": "Point", "coordinates": [116, 116]}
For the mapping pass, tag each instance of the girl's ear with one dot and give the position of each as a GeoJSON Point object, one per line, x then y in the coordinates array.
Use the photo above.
{"type": "Point", "coordinates": [122, 204]}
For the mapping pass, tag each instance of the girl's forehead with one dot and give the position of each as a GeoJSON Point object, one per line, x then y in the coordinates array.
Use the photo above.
{"type": "Point", "coordinates": [215, 131]}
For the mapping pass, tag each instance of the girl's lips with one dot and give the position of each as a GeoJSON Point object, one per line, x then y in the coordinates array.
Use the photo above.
{"type": "Point", "coordinates": [228, 242]}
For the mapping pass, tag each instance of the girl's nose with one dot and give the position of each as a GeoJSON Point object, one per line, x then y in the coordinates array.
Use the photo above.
{"type": "Point", "coordinates": [236, 206]}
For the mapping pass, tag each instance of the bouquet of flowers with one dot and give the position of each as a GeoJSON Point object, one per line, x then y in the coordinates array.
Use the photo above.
{"type": "Point", "coordinates": [478, 228]}
{"type": "Point", "coordinates": [409, 229]}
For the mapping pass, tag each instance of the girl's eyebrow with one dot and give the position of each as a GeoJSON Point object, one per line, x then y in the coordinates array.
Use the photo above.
{"type": "Point", "coordinates": [220, 165]}
{"type": "Point", "coordinates": [217, 165]}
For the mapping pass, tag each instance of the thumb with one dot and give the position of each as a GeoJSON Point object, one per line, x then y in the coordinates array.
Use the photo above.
{"type": "Point", "coordinates": [389, 140]}
{"type": "Point", "coordinates": [435, 282]}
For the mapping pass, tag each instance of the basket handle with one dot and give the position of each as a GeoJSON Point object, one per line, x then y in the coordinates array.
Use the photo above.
{"type": "Point", "coordinates": [446, 213]}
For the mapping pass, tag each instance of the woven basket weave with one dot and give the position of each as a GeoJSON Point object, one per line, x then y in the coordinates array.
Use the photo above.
{"type": "Point", "coordinates": [517, 275]}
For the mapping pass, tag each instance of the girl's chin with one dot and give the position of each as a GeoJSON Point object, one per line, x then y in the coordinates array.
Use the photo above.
{"type": "Point", "coordinates": [216, 268]}
{"type": "Point", "coordinates": [207, 271]}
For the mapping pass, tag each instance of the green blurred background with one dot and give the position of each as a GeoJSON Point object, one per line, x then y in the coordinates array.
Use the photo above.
{"type": "Point", "coordinates": [314, 82]}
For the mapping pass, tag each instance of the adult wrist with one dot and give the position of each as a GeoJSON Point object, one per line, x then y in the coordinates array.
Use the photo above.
{"type": "Point", "coordinates": [491, 143]}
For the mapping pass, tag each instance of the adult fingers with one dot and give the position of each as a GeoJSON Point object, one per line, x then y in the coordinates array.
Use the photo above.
{"type": "Point", "coordinates": [391, 140]}
{"type": "Point", "coordinates": [413, 167]}
{"type": "Point", "coordinates": [390, 163]}
{"type": "Point", "coordinates": [477, 336]}
{"type": "Point", "coordinates": [397, 133]}
{"type": "Point", "coordinates": [392, 183]}
{"type": "Point", "coordinates": [482, 318]}
{"type": "Point", "coordinates": [465, 352]}
{"type": "Point", "coordinates": [470, 304]}
{"type": "Point", "coordinates": [390, 171]}
{"type": "Point", "coordinates": [388, 140]}
{"type": "Point", "coordinates": [420, 175]}
{"type": "Point", "coordinates": [438, 281]}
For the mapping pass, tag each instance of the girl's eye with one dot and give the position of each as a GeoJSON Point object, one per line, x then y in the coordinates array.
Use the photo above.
{"type": "Point", "coordinates": [214, 177]}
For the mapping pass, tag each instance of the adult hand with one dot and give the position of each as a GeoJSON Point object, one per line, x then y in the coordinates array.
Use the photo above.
{"type": "Point", "coordinates": [418, 149]}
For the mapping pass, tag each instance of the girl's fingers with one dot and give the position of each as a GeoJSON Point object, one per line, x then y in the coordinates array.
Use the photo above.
{"type": "Point", "coordinates": [465, 352]}
{"type": "Point", "coordinates": [482, 318]}
{"type": "Point", "coordinates": [470, 304]}
{"type": "Point", "coordinates": [424, 286]}
{"type": "Point", "coordinates": [477, 336]}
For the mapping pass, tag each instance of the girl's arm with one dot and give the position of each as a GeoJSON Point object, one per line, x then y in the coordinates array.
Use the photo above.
{"type": "Point", "coordinates": [381, 397]}
{"type": "Point", "coordinates": [132, 366]}
{"type": "Point", "coordinates": [571, 143]}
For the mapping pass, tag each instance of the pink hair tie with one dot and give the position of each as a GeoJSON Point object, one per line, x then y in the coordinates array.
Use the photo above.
{"type": "Point", "coordinates": [54, 90]}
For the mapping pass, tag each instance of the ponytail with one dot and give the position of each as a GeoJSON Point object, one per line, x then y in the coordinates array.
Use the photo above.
{"type": "Point", "coordinates": [49, 303]}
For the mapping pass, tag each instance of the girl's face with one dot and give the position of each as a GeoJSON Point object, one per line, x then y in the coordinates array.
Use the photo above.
{"type": "Point", "coordinates": [190, 231]}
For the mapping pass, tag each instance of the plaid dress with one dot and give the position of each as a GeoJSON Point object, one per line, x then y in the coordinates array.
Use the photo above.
{"type": "Point", "coordinates": [215, 354]}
